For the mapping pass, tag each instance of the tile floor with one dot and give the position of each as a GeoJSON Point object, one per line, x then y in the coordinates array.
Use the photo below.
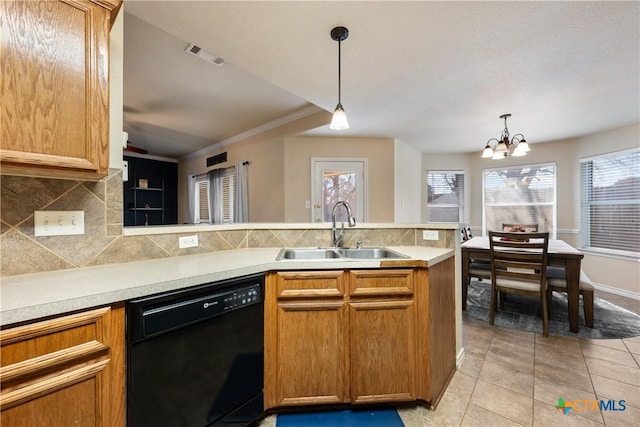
{"type": "Point", "coordinates": [514, 378]}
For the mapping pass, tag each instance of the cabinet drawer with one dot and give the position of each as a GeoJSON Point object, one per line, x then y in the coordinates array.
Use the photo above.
{"type": "Point", "coordinates": [392, 282]}
{"type": "Point", "coordinates": [311, 284]}
{"type": "Point", "coordinates": [64, 371]}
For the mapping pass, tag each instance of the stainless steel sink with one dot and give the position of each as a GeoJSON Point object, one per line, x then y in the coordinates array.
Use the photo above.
{"type": "Point", "coordinates": [307, 253]}
{"type": "Point", "coordinates": [371, 253]}
{"type": "Point", "coordinates": [338, 253]}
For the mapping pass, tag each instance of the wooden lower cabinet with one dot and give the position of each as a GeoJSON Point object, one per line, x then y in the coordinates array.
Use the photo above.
{"type": "Point", "coordinates": [356, 336]}
{"type": "Point", "coordinates": [382, 321]}
{"type": "Point", "coordinates": [67, 371]}
{"type": "Point", "coordinates": [306, 339]}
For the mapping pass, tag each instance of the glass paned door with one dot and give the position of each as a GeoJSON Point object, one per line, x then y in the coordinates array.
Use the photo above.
{"type": "Point", "coordinates": [335, 180]}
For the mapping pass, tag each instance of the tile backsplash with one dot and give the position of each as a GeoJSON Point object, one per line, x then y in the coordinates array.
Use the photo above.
{"type": "Point", "coordinates": [103, 242]}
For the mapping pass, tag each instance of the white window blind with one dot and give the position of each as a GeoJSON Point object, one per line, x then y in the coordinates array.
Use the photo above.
{"type": "Point", "coordinates": [610, 202]}
{"type": "Point", "coordinates": [202, 201]}
{"type": "Point", "coordinates": [520, 195]}
{"type": "Point", "coordinates": [445, 196]}
{"type": "Point", "coordinates": [226, 196]}
{"type": "Point", "coordinates": [224, 200]}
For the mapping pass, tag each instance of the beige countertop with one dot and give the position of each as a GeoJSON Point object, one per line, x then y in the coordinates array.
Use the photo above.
{"type": "Point", "coordinates": [32, 296]}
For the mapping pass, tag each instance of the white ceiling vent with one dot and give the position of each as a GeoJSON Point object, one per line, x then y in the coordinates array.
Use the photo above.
{"type": "Point", "coordinates": [204, 55]}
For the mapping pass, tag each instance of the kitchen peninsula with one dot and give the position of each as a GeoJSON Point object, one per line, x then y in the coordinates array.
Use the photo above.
{"type": "Point", "coordinates": [418, 291]}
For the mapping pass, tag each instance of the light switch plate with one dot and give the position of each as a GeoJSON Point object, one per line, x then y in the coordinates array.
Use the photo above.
{"type": "Point", "coordinates": [58, 223]}
{"type": "Point", "coordinates": [430, 235]}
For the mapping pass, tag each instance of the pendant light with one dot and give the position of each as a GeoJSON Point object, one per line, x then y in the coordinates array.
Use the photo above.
{"type": "Point", "coordinates": [516, 146]}
{"type": "Point", "coordinates": [339, 120]}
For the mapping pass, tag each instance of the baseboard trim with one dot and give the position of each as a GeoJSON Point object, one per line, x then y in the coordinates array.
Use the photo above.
{"type": "Point", "coordinates": [617, 291]}
{"type": "Point", "coordinates": [459, 358]}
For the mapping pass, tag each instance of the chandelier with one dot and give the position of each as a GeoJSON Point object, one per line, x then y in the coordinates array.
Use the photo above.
{"type": "Point", "coordinates": [516, 146]}
{"type": "Point", "coordinates": [339, 120]}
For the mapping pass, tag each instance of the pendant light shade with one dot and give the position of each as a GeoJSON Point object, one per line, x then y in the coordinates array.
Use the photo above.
{"type": "Point", "coordinates": [339, 120]}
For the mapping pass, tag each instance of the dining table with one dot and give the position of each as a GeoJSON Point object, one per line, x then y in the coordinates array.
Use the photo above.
{"type": "Point", "coordinates": [559, 253]}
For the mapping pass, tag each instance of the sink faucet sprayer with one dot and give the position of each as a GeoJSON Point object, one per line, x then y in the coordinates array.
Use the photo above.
{"type": "Point", "coordinates": [336, 239]}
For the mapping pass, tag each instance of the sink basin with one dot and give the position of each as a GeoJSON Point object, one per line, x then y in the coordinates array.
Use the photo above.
{"type": "Point", "coordinates": [308, 253]}
{"type": "Point", "coordinates": [370, 253]}
{"type": "Point", "coordinates": [338, 253]}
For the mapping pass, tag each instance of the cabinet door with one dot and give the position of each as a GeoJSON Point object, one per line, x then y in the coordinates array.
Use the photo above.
{"type": "Point", "coordinates": [383, 353]}
{"type": "Point", "coordinates": [312, 350]}
{"type": "Point", "coordinates": [65, 371]}
{"type": "Point", "coordinates": [306, 339]}
{"type": "Point", "coordinates": [382, 319]}
{"type": "Point", "coordinates": [55, 88]}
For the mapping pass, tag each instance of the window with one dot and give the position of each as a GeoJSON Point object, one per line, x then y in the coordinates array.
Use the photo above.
{"type": "Point", "coordinates": [223, 191]}
{"type": "Point", "coordinates": [334, 180]}
{"type": "Point", "coordinates": [520, 195]}
{"type": "Point", "coordinates": [445, 196]}
{"type": "Point", "coordinates": [225, 196]}
{"type": "Point", "coordinates": [610, 202]}
{"type": "Point", "coordinates": [202, 200]}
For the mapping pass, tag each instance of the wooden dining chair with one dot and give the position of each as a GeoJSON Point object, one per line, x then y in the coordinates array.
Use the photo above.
{"type": "Point", "coordinates": [557, 282]}
{"type": "Point", "coordinates": [519, 266]}
{"type": "Point", "coordinates": [478, 268]}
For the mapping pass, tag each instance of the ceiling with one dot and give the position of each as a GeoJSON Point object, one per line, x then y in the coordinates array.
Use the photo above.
{"type": "Point", "coordinates": [433, 75]}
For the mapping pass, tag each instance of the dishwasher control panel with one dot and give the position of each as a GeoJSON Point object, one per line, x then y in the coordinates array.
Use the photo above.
{"type": "Point", "coordinates": [164, 313]}
{"type": "Point", "coordinates": [240, 298]}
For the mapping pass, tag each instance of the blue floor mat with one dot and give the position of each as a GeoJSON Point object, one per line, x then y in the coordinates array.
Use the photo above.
{"type": "Point", "coordinates": [344, 418]}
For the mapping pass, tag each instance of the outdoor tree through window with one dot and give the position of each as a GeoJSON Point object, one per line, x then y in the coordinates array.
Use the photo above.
{"type": "Point", "coordinates": [338, 186]}
{"type": "Point", "coordinates": [520, 195]}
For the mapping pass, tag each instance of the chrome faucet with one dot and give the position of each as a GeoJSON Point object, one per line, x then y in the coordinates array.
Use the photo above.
{"type": "Point", "coordinates": [336, 238]}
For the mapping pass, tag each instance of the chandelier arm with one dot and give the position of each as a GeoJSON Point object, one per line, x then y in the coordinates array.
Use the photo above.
{"type": "Point", "coordinates": [493, 139]}
{"type": "Point", "coordinates": [516, 139]}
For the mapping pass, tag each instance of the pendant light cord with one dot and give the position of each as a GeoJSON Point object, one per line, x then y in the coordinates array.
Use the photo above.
{"type": "Point", "coordinates": [339, 74]}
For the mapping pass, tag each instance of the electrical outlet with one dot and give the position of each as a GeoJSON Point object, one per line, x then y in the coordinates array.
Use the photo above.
{"type": "Point", "coordinates": [430, 235]}
{"type": "Point", "coordinates": [188, 241]}
{"type": "Point", "coordinates": [58, 223]}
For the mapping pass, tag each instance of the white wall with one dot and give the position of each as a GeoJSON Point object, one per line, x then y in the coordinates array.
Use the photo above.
{"type": "Point", "coordinates": [407, 184]}
{"type": "Point", "coordinates": [622, 275]}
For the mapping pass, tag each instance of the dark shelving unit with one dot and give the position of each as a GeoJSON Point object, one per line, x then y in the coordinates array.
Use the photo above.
{"type": "Point", "coordinates": [155, 203]}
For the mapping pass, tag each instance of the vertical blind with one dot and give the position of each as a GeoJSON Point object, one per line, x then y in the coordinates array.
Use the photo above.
{"type": "Point", "coordinates": [445, 196]}
{"type": "Point", "coordinates": [610, 202]}
{"type": "Point", "coordinates": [520, 195]}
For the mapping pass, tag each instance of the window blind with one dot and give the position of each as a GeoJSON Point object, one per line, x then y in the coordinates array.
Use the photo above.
{"type": "Point", "coordinates": [520, 195]}
{"type": "Point", "coordinates": [445, 196]}
{"type": "Point", "coordinates": [610, 202]}
{"type": "Point", "coordinates": [202, 200]}
{"type": "Point", "coordinates": [225, 191]}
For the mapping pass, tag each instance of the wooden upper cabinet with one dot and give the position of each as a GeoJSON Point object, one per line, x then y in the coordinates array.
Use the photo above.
{"type": "Point", "coordinates": [55, 88]}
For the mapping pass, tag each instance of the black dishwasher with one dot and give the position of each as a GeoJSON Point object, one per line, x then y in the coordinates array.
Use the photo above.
{"type": "Point", "coordinates": [195, 356]}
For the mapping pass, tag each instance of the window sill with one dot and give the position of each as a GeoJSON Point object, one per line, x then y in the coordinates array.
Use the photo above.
{"type": "Point", "coordinates": [609, 253]}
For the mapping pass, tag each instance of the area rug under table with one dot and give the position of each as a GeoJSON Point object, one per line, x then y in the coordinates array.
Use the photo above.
{"type": "Point", "coordinates": [523, 313]}
{"type": "Point", "coordinates": [384, 417]}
